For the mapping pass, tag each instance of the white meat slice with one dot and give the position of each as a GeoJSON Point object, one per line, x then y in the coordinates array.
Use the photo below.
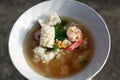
{"type": "Point", "coordinates": [47, 36]}
{"type": "Point", "coordinates": [39, 51]}
{"type": "Point", "coordinates": [51, 20]}
{"type": "Point", "coordinates": [45, 56]}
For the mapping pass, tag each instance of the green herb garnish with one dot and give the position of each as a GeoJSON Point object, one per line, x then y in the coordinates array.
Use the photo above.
{"type": "Point", "coordinates": [60, 32]}
{"type": "Point", "coordinates": [51, 49]}
{"type": "Point", "coordinates": [55, 48]}
{"type": "Point", "coordinates": [84, 62]}
{"type": "Point", "coordinates": [47, 49]}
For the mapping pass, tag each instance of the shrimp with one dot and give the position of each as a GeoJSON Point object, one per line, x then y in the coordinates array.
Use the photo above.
{"type": "Point", "coordinates": [74, 35]}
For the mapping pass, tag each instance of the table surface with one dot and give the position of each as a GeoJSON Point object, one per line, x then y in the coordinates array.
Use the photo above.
{"type": "Point", "coordinates": [10, 10]}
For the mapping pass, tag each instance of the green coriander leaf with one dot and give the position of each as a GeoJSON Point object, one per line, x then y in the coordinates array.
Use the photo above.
{"type": "Point", "coordinates": [84, 62]}
{"type": "Point", "coordinates": [60, 32]}
{"type": "Point", "coordinates": [55, 48]}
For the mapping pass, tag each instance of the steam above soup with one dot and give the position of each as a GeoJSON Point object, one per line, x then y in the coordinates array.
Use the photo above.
{"type": "Point", "coordinates": [58, 47]}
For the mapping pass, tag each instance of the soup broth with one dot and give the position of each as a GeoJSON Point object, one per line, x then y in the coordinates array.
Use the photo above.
{"type": "Point", "coordinates": [69, 64]}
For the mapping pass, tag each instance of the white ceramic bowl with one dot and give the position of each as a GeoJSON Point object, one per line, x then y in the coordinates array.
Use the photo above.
{"type": "Point", "coordinates": [69, 8]}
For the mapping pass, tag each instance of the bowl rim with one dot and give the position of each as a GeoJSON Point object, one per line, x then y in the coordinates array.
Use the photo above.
{"type": "Point", "coordinates": [108, 52]}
